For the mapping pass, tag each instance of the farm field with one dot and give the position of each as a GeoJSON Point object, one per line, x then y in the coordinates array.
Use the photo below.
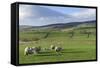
{"type": "Point", "coordinates": [78, 47]}
{"type": "Point", "coordinates": [56, 34]}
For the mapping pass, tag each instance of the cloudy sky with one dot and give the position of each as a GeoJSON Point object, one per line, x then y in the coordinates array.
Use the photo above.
{"type": "Point", "coordinates": [44, 15]}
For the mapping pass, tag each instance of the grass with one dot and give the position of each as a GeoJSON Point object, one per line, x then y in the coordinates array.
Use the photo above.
{"type": "Point", "coordinates": [77, 48]}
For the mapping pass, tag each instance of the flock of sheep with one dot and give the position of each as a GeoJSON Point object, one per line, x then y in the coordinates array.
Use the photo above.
{"type": "Point", "coordinates": [38, 49]}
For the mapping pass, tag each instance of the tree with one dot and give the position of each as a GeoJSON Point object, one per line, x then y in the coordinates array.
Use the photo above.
{"type": "Point", "coordinates": [86, 32]}
{"type": "Point", "coordinates": [47, 34]}
{"type": "Point", "coordinates": [71, 34]}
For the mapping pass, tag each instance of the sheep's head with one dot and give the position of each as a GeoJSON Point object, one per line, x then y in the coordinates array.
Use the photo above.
{"type": "Point", "coordinates": [52, 47]}
{"type": "Point", "coordinates": [57, 49]}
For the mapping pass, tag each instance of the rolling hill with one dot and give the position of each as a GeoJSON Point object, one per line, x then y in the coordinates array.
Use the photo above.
{"type": "Point", "coordinates": [60, 25]}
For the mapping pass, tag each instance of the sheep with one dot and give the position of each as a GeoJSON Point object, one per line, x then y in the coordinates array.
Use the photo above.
{"type": "Point", "coordinates": [58, 49]}
{"type": "Point", "coordinates": [27, 51]}
{"type": "Point", "coordinates": [52, 47]}
{"type": "Point", "coordinates": [32, 50]}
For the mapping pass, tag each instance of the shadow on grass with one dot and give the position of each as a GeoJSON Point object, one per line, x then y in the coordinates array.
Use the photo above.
{"type": "Point", "coordinates": [64, 51]}
{"type": "Point", "coordinates": [49, 54]}
{"type": "Point", "coordinates": [72, 51]}
{"type": "Point", "coordinates": [45, 52]}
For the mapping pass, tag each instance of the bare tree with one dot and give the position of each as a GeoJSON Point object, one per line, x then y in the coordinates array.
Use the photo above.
{"type": "Point", "coordinates": [86, 32]}
{"type": "Point", "coordinates": [71, 34]}
{"type": "Point", "coordinates": [47, 34]}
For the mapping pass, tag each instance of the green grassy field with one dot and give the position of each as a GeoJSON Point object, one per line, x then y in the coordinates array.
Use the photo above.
{"type": "Point", "coordinates": [77, 48]}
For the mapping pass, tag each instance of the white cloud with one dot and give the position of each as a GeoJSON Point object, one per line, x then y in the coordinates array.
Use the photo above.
{"type": "Point", "coordinates": [24, 11]}
{"type": "Point", "coordinates": [85, 14]}
{"type": "Point", "coordinates": [29, 14]}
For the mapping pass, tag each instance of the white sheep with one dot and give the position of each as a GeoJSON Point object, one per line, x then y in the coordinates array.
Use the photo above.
{"type": "Point", "coordinates": [32, 50]}
{"type": "Point", "coordinates": [52, 47]}
{"type": "Point", "coordinates": [58, 49]}
{"type": "Point", "coordinates": [27, 51]}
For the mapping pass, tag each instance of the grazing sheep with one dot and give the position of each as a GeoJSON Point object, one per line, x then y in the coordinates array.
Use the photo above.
{"type": "Point", "coordinates": [32, 50]}
{"type": "Point", "coordinates": [58, 49]}
{"type": "Point", "coordinates": [27, 51]}
{"type": "Point", "coordinates": [52, 47]}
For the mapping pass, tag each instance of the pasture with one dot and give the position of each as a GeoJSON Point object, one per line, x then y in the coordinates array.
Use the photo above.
{"type": "Point", "coordinates": [78, 47]}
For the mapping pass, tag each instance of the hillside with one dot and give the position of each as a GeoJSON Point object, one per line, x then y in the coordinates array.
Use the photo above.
{"type": "Point", "coordinates": [60, 25]}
